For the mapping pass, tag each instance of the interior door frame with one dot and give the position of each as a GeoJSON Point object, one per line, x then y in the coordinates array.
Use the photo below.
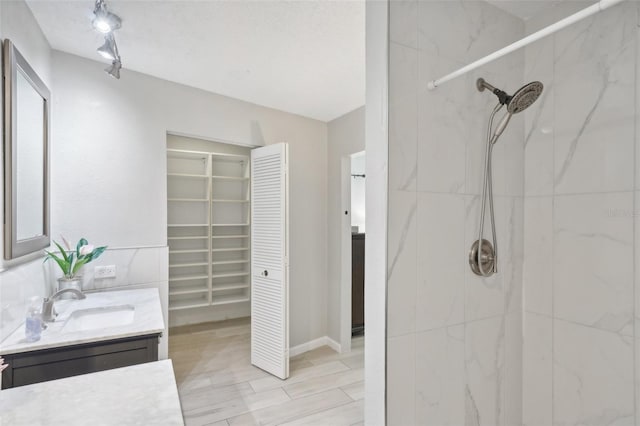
{"type": "Point", "coordinates": [345, 254]}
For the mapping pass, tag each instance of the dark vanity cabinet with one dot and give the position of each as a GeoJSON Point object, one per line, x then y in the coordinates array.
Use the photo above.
{"type": "Point", "coordinates": [357, 283]}
{"type": "Point", "coordinates": [56, 363]}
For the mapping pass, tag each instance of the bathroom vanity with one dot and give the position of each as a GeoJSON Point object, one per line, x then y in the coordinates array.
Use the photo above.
{"type": "Point", "coordinates": [104, 331]}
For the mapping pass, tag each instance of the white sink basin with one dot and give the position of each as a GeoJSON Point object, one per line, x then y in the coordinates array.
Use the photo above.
{"type": "Point", "coordinates": [94, 318]}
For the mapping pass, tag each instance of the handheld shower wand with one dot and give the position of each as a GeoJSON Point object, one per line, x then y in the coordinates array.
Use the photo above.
{"type": "Point", "coordinates": [483, 256]}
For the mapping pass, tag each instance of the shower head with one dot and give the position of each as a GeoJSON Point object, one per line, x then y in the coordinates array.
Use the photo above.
{"type": "Point", "coordinates": [521, 100]}
{"type": "Point", "coordinates": [524, 97]}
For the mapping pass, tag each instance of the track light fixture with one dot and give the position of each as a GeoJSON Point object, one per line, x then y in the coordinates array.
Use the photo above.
{"type": "Point", "coordinates": [106, 23]}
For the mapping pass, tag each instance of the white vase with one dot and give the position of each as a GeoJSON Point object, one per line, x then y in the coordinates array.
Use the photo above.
{"type": "Point", "coordinates": [75, 282]}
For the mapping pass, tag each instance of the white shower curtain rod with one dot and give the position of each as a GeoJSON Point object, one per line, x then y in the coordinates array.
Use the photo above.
{"type": "Point", "coordinates": [578, 16]}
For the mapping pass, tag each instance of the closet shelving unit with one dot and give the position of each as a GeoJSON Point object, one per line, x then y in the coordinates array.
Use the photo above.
{"type": "Point", "coordinates": [208, 196]}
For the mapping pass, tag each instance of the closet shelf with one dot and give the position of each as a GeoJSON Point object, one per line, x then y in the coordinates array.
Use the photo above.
{"type": "Point", "coordinates": [187, 290]}
{"type": "Point", "coordinates": [187, 265]}
{"type": "Point", "coordinates": [225, 300]}
{"type": "Point", "coordinates": [230, 274]}
{"type": "Point", "coordinates": [187, 304]}
{"type": "Point", "coordinates": [228, 157]}
{"type": "Point", "coordinates": [232, 178]}
{"type": "Point", "coordinates": [188, 225]}
{"type": "Point", "coordinates": [187, 154]}
{"type": "Point", "coordinates": [215, 237]}
{"type": "Point", "coordinates": [188, 251]}
{"type": "Point", "coordinates": [229, 262]}
{"type": "Point", "coordinates": [225, 287]}
{"type": "Point", "coordinates": [229, 224]}
{"type": "Point", "coordinates": [188, 175]}
{"type": "Point", "coordinates": [187, 278]}
{"type": "Point", "coordinates": [222, 250]}
{"type": "Point", "coordinates": [189, 200]}
{"type": "Point", "coordinates": [187, 238]}
{"type": "Point", "coordinates": [219, 200]}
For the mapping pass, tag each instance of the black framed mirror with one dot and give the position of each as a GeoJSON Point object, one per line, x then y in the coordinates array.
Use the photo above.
{"type": "Point", "coordinates": [26, 156]}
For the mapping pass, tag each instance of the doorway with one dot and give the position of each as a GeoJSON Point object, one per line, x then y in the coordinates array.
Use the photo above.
{"type": "Point", "coordinates": [358, 180]}
{"type": "Point", "coordinates": [353, 237]}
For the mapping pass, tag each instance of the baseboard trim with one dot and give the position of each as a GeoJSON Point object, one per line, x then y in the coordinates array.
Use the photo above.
{"type": "Point", "coordinates": [334, 345]}
{"type": "Point", "coordinates": [314, 344]}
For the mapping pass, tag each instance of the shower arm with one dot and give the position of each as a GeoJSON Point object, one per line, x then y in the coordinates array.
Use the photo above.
{"type": "Point", "coordinates": [487, 184]}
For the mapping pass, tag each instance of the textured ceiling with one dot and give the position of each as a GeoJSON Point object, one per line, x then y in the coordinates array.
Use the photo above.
{"type": "Point", "coordinates": [304, 57]}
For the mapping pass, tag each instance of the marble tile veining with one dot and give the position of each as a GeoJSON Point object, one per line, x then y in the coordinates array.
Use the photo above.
{"type": "Point", "coordinates": [485, 369]}
{"type": "Point", "coordinates": [440, 378]}
{"type": "Point", "coordinates": [537, 395]}
{"type": "Point", "coordinates": [538, 254]}
{"type": "Point", "coordinates": [402, 263]}
{"type": "Point", "coordinates": [440, 293]}
{"type": "Point", "coordinates": [594, 74]}
{"type": "Point", "coordinates": [401, 380]}
{"type": "Point", "coordinates": [591, 376]}
{"type": "Point", "coordinates": [593, 260]}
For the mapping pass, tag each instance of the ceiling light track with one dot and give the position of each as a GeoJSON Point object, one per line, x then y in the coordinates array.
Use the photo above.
{"type": "Point", "coordinates": [106, 22]}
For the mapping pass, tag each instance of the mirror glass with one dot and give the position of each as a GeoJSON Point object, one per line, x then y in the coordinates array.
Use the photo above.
{"type": "Point", "coordinates": [30, 153]}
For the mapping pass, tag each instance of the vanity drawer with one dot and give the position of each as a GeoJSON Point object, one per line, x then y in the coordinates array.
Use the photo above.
{"type": "Point", "coordinates": [56, 363]}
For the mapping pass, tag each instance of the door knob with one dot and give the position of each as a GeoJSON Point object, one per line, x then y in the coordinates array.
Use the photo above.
{"type": "Point", "coordinates": [265, 273]}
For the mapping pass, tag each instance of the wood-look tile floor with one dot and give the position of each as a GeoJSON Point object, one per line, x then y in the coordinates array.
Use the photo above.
{"type": "Point", "coordinates": [218, 385]}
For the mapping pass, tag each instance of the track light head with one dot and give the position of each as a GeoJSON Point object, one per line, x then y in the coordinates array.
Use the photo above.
{"type": "Point", "coordinates": [109, 50]}
{"type": "Point", "coordinates": [114, 69]}
{"type": "Point", "coordinates": [105, 21]}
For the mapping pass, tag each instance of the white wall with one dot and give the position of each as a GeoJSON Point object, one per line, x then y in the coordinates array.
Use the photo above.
{"type": "Point", "coordinates": [346, 137]}
{"type": "Point", "coordinates": [110, 140]}
{"type": "Point", "coordinates": [358, 185]}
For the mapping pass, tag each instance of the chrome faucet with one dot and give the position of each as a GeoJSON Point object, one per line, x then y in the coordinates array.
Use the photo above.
{"type": "Point", "coordinates": [48, 311]}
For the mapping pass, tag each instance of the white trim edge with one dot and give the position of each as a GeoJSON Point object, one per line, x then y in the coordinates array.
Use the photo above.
{"type": "Point", "coordinates": [314, 344]}
{"type": "Point", "coordinates": [334, 345]}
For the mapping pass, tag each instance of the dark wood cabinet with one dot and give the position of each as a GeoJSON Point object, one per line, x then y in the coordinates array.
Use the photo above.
{"type": "Point", "coordinates": [357, 283]}
{"type": "Point", "coordinates": [56, 363]}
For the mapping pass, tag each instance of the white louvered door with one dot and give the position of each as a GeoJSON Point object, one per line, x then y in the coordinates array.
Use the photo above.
{"type": "Point", "coordinates": [270, 259]}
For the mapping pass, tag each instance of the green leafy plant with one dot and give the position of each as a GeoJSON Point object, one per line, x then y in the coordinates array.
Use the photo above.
{"type": "Point", "coordinates": [70, 261]}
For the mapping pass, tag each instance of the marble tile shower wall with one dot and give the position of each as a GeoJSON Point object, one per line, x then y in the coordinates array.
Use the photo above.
{"type": "Point", "coordinates": [454, 339]}
{"type": "Point", "coordinates": [581, 263]}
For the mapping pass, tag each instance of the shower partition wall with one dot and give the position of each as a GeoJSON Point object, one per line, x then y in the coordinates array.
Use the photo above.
{"type": "Point", "coordinates": [550, 339]}
{"type": "Point", "coordinates": [454, 348]}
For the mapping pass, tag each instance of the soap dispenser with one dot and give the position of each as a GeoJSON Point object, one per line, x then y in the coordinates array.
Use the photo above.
{"type": "Point", "coordinates": [33, 322]}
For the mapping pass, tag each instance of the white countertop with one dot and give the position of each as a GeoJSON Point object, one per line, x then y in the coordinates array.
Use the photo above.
{"type": "Point", "coordinates": [144, 394]}
{"type": "Point", "coordinates": [147, 320]}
